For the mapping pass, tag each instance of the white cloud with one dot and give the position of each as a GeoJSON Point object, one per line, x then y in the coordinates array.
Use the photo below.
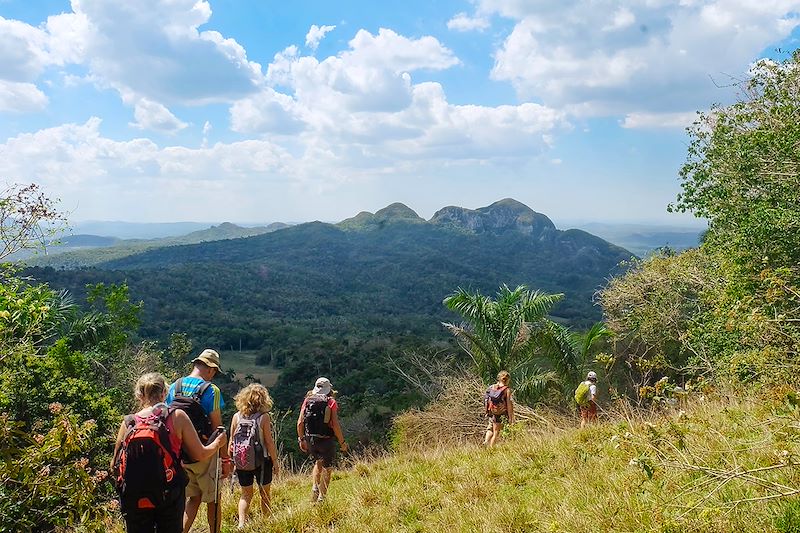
{"type": "Point", "coordinates": [268, 112]}
{"type": "Point", "coordinates": [315, 35]}
{"type": "Point", "coordinates": [154, 116]}
{"type": "Point", "coordinates": [463, 22]}
{"type": "Point", "coordinates": [658, 120]}
{"type": "Point", "coordinates": [81, 166]}
{"type": "Point", "coordinates": [372, 75]}
{"type": "Point", "coordinates": [21, 97]}
{"type": "Point", "coordinates": [606, 58]}
{"type": "Point", "coordinates": [182, 64]}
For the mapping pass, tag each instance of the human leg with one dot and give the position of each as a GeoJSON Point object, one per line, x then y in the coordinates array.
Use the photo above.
{"type": "Point", "coordinates": [199, 489]}
{"type": "Point", "coordinates": [263, 491]}
{"type": "Point", "coordinates": [192, 506]}
{"type": "Point", "coordinates": [497, 428]}
{"type": "Point", "coordinates": [488, 433]}
{"type": "Point", "coordinates": [244, 504]}
{"type": "Point", "coordinates": [324, 481]}
{"type": "Point", "coordinates": [212, 515]}
{"type": "Point", "coordinates": [315, 475]}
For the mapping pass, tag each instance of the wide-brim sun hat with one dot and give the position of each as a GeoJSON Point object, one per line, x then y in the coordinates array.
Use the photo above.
{"type": "Point", "coordinates": [322, 386]}
{"type": "Point", "coordinates": [208, 357]}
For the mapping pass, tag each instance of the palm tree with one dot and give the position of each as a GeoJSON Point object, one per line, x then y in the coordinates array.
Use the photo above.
{"type": "Point", "coordinates": [512, 332]}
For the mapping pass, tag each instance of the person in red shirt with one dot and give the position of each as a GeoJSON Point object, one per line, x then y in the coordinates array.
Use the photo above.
{"type": "Point", "coordinates": [317, 426]}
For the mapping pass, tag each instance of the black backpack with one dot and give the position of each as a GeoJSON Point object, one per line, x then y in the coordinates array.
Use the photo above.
{"type": "Point", "coordinates": [191, 406]}
{"type": "Point", "coordinates": [148, 473]}
{"type": "Point", "coordinates": [314, 417]}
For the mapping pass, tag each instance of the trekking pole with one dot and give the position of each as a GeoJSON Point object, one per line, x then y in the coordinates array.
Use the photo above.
{"type": "Point", "coordinates": [214, 528]}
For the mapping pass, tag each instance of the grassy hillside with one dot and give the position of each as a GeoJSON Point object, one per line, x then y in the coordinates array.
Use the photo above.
{"type": "Point", "coordinates": [717, 466]}
{"type": "Point", "coordinates": [81, 251]}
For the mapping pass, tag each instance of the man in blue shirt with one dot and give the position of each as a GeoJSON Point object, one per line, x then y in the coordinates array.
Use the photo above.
{"type": "Point", "coordinates": [202, 474]}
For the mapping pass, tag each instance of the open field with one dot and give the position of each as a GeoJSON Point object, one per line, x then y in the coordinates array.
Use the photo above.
{"type": "Point", "coordinates": [244, 363]}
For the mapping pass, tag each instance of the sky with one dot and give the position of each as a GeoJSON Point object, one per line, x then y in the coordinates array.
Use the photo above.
{"type": "Point", "coordinates": [257, 111]}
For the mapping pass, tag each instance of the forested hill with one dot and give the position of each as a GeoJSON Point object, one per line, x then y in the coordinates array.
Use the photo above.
{"type": "Point", "coordinates": [343, 293]}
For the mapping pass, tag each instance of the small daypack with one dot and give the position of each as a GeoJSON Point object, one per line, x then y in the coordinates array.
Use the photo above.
{"type": "Point", "coordinates": [495, 400]}
{"type": "Point", "coordinates": [148, 472]}
{"type": "Point", "coordinates": [583, 394]}
{"type": "Point", "coordinates": [191, 406]}
{"type": "Point", "coordinates": [248, 452]}
{"type": "Point", "coordinates": [316, 417]}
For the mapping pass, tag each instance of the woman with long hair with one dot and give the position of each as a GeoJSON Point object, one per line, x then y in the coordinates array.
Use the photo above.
{"type": "Point", "coordinates": [254, 403]}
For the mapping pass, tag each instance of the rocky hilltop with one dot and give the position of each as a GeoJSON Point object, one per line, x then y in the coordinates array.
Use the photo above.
{"type": "Point", "coordinates": [506, 214]}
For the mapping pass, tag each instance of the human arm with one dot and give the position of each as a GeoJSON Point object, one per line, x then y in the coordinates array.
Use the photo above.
{"type": "Point", "coordinates": [117, 444]}
{"type": "Point", "coordinates": [234, 425]}
{"type": "Point", "coordinates": [301, 429]}
{"type": "Point", "coordinates": [269, 442]}
{"type": "Point", "coordinates": [509, 406]}
{"type": "Point", "coordinates": [337, 429]}
{"type": "Point", "coordinates": [191, 442]}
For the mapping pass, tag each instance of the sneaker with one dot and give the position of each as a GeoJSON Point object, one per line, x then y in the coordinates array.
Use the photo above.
{"type": "Point", "coordinates": [320, 498]}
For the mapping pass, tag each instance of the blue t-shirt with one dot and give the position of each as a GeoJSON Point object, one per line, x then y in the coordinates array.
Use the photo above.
{"type": "Point", "coordinates": [211, 399]}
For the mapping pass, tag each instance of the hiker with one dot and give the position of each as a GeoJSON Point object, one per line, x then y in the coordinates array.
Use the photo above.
{"type": "Point", "coordinates": [586, 397]}
{"type": "Point", "coordinates": [317, 425]}
{"type": "Point", "coordinates": [499, 407]}
{"type": "Point", "coordinates": [151, 483]}
{"type": "Point", "coordinates": [202, 401]}
{"type": "Point", "coordinates": [252, 447]}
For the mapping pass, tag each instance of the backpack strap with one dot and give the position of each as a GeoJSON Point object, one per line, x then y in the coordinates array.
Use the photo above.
{"type": "Point", "coordinates": [201, 390]}
{"type": "Point", "coordinates": [260, 435]}
{"type": "Point", "coordinates": [198, 392]}
{"type": "Point", "coordinates": [178, 387]}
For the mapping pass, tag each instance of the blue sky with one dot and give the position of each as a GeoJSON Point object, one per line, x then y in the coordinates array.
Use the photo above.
{"type": "Point", "coordinates": [256, 110]}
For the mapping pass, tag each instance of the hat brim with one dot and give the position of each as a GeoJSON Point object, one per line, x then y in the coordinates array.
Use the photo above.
{"type": "Point", "coordinates": [206, 362]}
{"type": "Point", "coordinates": [321, 390]}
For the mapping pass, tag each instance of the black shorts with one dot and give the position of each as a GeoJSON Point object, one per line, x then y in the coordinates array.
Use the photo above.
{"type": "Point", "coordinates": [247, 477]}
{"type": "Point", "coordinates": [322, 448]}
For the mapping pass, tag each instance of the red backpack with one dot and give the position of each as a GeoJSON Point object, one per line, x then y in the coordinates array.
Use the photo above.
{"type": "Point", "coordinates": [148, 471]}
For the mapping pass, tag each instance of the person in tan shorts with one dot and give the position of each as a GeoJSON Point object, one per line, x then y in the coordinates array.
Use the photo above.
{"type": "Point", "coordinates": [197, 388]}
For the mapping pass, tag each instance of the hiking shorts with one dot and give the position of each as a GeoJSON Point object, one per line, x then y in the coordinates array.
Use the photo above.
{"type": "Point", "coordinates": [589, 411]}
{"type": "Point", "coordinates": [322, 449]}
{"type": "Point", "coordinates": [497, 419]}
{"type": "Point", "coordinates": [248, 477]}
{"type": "Point", "coordinates": [201, 479]}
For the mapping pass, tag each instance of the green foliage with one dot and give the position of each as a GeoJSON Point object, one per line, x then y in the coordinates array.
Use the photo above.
{"type": "Point", "coordinates": [46, 481]}
{"type": "Point", "coordinates": [65, 380]}
{"type": "Point", "coordinates": [731, 309]}
{"type": "Point", "coordinates": [742, 174]}
{"type": "Point", "coordinates": [654, 311]}
{"type": "Point", "coordinates": [512, 332]}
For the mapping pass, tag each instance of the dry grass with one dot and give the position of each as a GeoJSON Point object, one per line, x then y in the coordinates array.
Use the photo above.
{"type": "Point", "coordinates": [696, 471]}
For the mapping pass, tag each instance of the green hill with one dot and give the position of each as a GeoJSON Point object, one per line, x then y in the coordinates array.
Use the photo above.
{"type": "Point", "coordinates": [337, 299]}
{"type": "Point", "coordinates": [78, 251]}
